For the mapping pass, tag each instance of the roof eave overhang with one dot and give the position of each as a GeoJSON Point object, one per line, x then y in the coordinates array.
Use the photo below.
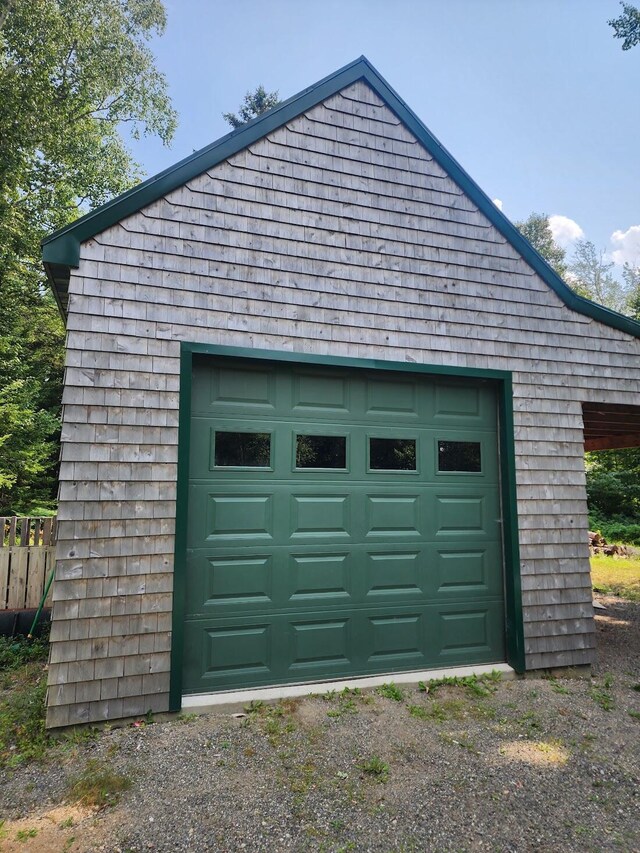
{"type": "Point", "coordinates": [61, 250]}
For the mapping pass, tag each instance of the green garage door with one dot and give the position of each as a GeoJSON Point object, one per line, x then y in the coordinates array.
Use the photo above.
{"type": "Point", "coordinates": [341, 523]}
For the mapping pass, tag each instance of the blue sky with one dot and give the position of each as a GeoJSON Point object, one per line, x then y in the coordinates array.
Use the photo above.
{"type": "Point", "coordinates": [535, 98]}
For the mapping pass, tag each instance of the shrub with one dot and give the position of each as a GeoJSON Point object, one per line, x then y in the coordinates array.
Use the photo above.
{"type": "Point", "coordinates": [613, 493]}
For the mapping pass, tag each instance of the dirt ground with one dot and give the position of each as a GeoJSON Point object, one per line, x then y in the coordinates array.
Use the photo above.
{"type": "Point", "coordinates": [534, 764]}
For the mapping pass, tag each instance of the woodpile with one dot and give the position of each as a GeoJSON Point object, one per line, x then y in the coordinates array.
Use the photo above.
{"type": "Point", "coordinates": [599, 545]}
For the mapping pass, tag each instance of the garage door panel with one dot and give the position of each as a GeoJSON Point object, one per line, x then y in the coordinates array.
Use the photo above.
{"type": "Point", "coordinates": [396, 639]}
{"type": "Point", "coordinates": [311, 577]}
{"type": "Point", "coordinates": [321, 516]}
{"type": "Point", "coordinates": [393, 575]}
{"type": "Point", "coordinates": [231, 387]}
{"type": "Point", "coordinates": [460, 571]}
{"type": "Point", "coordinates": [317, 579]}
{"type": "Point", "coordinates": [321, 394]}
{"type": "Point", "coordinates": [462, 514]}
{"type": "Point", "coordinates": [395, 516]}
{"type": "Point", "coordinates": [323, 540]}
{"type": "Point", "coordinates": [464, 405]}
{"type": "Point", "coordinates": [319, 644]}
{"type": "Point", "coordinates": [240, 517]}
{"type": "Point", "coordinates": [335, 643]}
{"type": "Point", "coordinates": [236, 652]}
{"type": "Point", "coordinates": [261, 583]}
{"type": "Point", "coordinates": [231, 581]}
{"type": "Point", "coordinates": [470, 633]}
{"type": "Point", "coordinates": [393, 400]}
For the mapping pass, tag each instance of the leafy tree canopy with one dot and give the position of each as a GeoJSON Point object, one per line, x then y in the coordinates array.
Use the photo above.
{"type": "Point", "coordinates": [538, 232]}
{"type": "Point", "coordinates": [590, 276]}
{"type": "Point", "coordinates": [254, 104]}
{"type": "Point", "coordinates": [71, 72]}
{"type": "Point", "coordinates": [627, 26]}
{"type": "Point", "coordinates": [631, 277]}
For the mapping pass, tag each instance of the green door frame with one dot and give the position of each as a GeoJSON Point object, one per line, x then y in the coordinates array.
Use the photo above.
{"type": "Point", "coordinates": [514, 626]}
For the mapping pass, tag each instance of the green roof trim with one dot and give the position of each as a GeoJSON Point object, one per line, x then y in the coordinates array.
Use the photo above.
{"type": "Point", "coordinates": [61, 250]}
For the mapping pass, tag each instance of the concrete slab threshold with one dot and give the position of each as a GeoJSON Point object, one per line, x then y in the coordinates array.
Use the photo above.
{"type": "Point", "coordinates": [214, 701]}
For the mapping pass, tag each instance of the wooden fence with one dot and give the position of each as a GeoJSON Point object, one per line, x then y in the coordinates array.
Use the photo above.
{"type": "Point", "coordinates": [27, 555]}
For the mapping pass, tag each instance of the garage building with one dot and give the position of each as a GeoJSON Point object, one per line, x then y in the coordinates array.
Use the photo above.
{"type": "Point", "coordinates": [324, 416]}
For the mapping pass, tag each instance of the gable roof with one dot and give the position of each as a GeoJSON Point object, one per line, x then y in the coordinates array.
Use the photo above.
{"type": "Point", "coordinates": [61, 250]}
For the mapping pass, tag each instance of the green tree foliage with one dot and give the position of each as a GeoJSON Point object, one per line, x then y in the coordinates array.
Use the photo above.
{"type": "Point", "coordinates": [254, 104]}
{"type": "Point", "coordinates": [631, 276]}
{"type": "Point", "coordinates": [627, 26]}
{"type": "Point", "coordinates": [613, 483]}
{"type": "Point", "coordinates": [71, 73]}
{"type": "Point", "coordinates": [590, 276]}
{"type": "Point", "coordinates": [537, 231]}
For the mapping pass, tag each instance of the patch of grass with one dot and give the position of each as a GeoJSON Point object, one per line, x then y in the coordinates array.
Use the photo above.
{"type": "Point", "coordinates": [530, 722]}
{"type": "Point", "coordinates": [477, 686]}
{"type": "Point", "coordinates": [376, 768]}
{"type": "Point", "coordinates": [98, 785]}
{"type": "Point", "coordinates": [558, 688]}
{"type": "Point", "coordinates": [635, 715]}
{"type": "Point", "coordinates": [22, 715]}
{"type": "Point", "coordinates": [303, 778]}
{"type": "Point", "coordinates": [273, 720]}
{"type": "Point", "coordinates": [80, 736]}
{"type": "Point", "coordinates": [391, 691]}
{"type": "Point", "coordinates": [619, 577]}
{"type": "Point", "coordinates": [419, 711]}
{"type": "Point", "coordinates": [186, 718]}
{"type": "Point", "coordinates": [482, 712]}
{"type": "Point", "coordinates": [440, 712]}
{"type": "Point", "coordinates": [601, 694]}
{"type": "Point", "coordinates": [26, 834]}
{"type": "Point", "coordinates": [346, 705]}
{"type": "Point", "coordinates": [15, 652]}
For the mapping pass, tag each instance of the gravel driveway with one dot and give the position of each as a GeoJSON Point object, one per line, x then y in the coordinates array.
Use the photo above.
{"type": "Point", "coordinates": [531, 764]}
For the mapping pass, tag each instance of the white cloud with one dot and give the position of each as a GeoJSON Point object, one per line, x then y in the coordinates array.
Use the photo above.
{"type": "Point", "coordinates": [565, 231]}
{"type": "Point", "coordinates": [498, 203]}
{"type": "Point", "coordinates": [627, 245]}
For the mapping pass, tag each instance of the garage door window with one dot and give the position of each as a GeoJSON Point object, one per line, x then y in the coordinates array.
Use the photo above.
{"type": "Point", "coordinates": [460, 456]}
{"type": "Point", "coordinates": [321, 451]}
{"type": "Point", "coordinates": [392, 454]}
{"type": "Point", "coordinates": [242, 449]}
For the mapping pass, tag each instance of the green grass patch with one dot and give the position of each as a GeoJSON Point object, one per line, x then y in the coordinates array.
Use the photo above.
{"type": "Point", "coordinates": [375, 768]}
{"type": "Point", "coordinates": [601, 694]}
{"type": "Point", "coordinates": [23, 684]}
{"type": "Point", "coordinates": [391, 691]}
{"type": "Point", "coordinates": [619, 577]}
{"type": "Point", "coordinates": [22, 715]}
{"type": "Point", "coordinates": [16, 652]}
{"type": "Point", "coordinates": [481, 687]}
{"type": "Point", "coordinates": [98, 785]}
{"type": "Point", "coordinates": [26, 834]}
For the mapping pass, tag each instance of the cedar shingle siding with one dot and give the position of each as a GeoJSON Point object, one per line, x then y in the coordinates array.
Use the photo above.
{"type": "Point", "coordinates": [335, 234]}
